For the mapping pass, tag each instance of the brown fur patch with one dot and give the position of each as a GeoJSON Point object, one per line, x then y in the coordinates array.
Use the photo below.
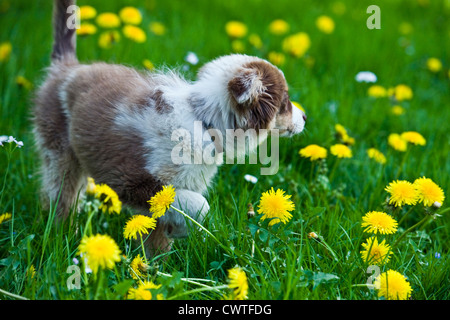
{"type": "Point", "coordinates": [89, 141]}
{"type": "Point", "coordinates": [160, 104]}
{"type": "Point", "coordinates": [261, 111]}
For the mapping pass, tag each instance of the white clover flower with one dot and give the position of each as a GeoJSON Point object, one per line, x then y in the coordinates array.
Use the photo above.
{"type": "Point", "coordinates": [250, 178]}
{"type": "Point", "coordinates": [366, 76]}
{"type": "Point", "coordinates": [191, 58]}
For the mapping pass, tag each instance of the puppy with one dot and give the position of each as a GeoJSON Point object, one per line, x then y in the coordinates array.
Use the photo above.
{"type": "Point", "coordinates": [115, 124]}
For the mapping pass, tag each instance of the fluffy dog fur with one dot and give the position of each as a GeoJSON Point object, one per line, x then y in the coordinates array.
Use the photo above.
{"type": "Point", "coordinates": [114, 124]}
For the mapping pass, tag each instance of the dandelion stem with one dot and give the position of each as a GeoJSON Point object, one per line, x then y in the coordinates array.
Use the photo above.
{"type": "Point", "coordinates": [12, 295]}
{"type": "Point", "coordinates": [399, 171]}
{"type": "Point", "coordinates": [143, 249]}
{"type": "Point", "coordinates": [334, 169]}
{"type": "Point", "coordinates": [411, 228]}
{"type": "Point", "coordinates": [99, 284]}
{"type": "Point", "coordinates": [404, 216]}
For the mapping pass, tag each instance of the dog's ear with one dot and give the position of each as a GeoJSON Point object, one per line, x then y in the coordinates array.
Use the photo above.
{"type": "Point", "coordinates": [246, 86]}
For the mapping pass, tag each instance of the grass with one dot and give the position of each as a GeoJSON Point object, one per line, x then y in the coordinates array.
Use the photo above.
{"type": "Point", "coordinates": [281, 262]}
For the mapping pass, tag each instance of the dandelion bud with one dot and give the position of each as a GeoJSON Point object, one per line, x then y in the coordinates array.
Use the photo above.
{"type": "Point", "coordinates": [90, 188]}
{"type": "Point", "coordinates": [251, 211]}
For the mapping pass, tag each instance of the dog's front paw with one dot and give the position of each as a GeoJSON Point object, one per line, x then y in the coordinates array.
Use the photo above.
{"type": "Point", "coordinates": [193, 204]}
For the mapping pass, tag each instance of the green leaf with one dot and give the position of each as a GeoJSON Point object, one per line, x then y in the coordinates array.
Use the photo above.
{"type": "Point", "coordinates": [122, 287]}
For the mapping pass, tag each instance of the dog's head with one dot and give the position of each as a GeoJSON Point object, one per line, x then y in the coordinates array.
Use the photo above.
{"type": "Point", "coordinates": [256, 94]}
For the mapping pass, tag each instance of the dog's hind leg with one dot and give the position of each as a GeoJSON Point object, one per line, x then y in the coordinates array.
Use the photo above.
{"type": "Point", "coordinates": [62, 180]}
{"type": "Point", "coordinates": [173, 225]}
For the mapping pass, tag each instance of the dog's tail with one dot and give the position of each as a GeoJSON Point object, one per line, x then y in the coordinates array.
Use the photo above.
{"type": "Point", "coordinates": [64, 31]}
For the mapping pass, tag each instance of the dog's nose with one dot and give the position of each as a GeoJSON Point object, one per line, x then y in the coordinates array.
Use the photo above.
{"type": "Point", "coordinates": [304, 117]}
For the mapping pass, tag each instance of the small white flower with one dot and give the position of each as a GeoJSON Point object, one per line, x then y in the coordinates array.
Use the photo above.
{"type": "Point", "coordinates": [192, 58]}
{"type": "Point", "coordinates": [75, 260]}
{"type": "Point", "coordinates": [10, 139]}
{"type": "Point", "coordinates": [366, 76]}
{"type": "Point", "coordinates": [437, 204]}
{"type": "Point", "coordinates": [250, 178]}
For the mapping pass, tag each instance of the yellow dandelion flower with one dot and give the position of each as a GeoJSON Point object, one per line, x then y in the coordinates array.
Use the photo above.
{"type": "Point", "coordinates": [91, 186]}
{"type": "Point", "coordinates": [341, 151]}
{"type": "Point", "coordinates": [402, 92]}
{"type": "Point", "coordinates": [397, 110]}
{"type": "Point", "coordinates": [238, 282]}
{"type": "Point", "coordinates": [130, 15]}
{"type": "Point", "coordinates": [100, 251]}
{"type": "Point", "coordinates": [86, 29]}
{"type": "Point", "coordinates": [109, 199]}
{"type": "Point", "coordinates": [377, 155]}
{"type": "Point", "coordinates": [313, 152]}
{"type": "Point", "coordinates": [325, 24]}
{"type": "Point", "coordinates": [414, 138]}
{"type": "Point", "coordinates": [148, 64]}
{"type": "Point", "coordinates": [397, 142]}
{"type": "Point", "coordinates": [134, 33]}
{"type": "Point", "coordinates": [143, 291]}
{"type": "Point", "coordinates": [139, 267]}
{"type": "Point", "coordinates": [255, 41]}
{"type": "Point", "coordinates": [393, 286]}
{"type": "Point", "coordinates": [379, 222]}
{"type": "Point", "coordinates": [108, 38]}
{"type": "Point", "coordinates": [138, 224]}
{"type": "Point", "coordinates": [108, 20]}
{"type": "Point", "coordinates": [5, 50]}
{"type": "Point", "coordinates": [161, 201]}
{"type": "Point", "coordinates": [402, 192]}
{"type": "Point", "coordinates": [297, 44]}
{"type": "Point", "coordinates": [24, 82]}
{"type": "Point", "coordinates": [374, 252]}
{"type": "Point", "coordinates": [157, 28]}
{"type": "Point", "coordinates": [340, 129]}
{"type": "Point", "coordinates": [5, 217]}
{"type": "Point", "coordinates": [343, 135]}
{"type": "Point", "coordinates": [277, 58]}
{"type": "Point", "coordinates": [31, 272]}
{"type": "Point", "coordinates": [87, 12]}
{"type": "Point", "coordinates": [434, 65]}
{"type": "Point", "coordinates": [276, 206]}
{"type": "Point", "coordinates": [236, 29]}
{"type": "Point", "coordinates": [298, 105]}
{"type": "Point", "coordinates": [278, 27]}
{"type": "Point", "coordinates": [429, 192]}
{"type": "Point", "coordinates": [377, 91]}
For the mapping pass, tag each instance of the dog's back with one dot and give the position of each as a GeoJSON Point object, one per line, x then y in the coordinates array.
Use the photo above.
{"type": "Point", "coordinates": [74, 114]}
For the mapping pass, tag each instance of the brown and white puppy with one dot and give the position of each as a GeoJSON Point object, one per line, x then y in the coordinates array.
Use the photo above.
{"type": "Point", "coordinates": [115, 124]}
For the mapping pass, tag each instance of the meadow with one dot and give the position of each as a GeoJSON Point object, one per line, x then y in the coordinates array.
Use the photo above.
{"type": "Point", "coordinates": [318, 253]}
